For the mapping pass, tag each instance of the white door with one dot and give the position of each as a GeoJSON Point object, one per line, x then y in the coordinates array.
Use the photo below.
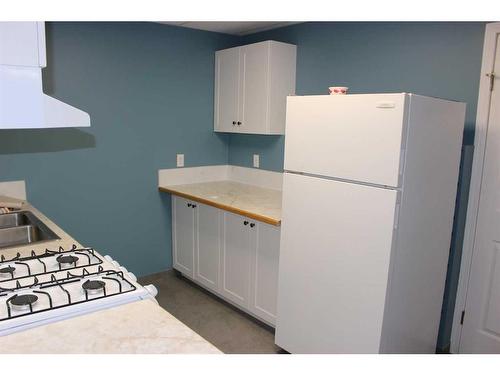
{"type": "Point", "coordinates": [207, 246]}
{"type": "Point", "coordinates": [264, 271]}
{"type": "Point", "coordinates": [254, 88]}
{"type": "Point", "coordinates": [350, 137]}
{"type": "Point", "coordinates": [227, 70]}
{"type": "Point", "coordinates": [481, 324]}
{"type": "Point", "coordinates": [236, 255]}
{"type": "Point", "coordinates": [183, 235]}
{"type": "Point", "coordinates": [336, 240]}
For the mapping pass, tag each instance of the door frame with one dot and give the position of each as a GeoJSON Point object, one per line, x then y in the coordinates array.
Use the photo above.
{"type": "Point", "coordinates": [481, 129]}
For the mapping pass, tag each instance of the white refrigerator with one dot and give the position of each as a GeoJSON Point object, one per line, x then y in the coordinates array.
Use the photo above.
{"type": "Point", "coordinates": [368, 199]}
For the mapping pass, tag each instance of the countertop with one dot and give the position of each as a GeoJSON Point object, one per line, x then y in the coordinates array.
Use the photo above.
{"type": "Point", "coordinates": [255, 202]}
{"type": "Point", "coordinates": [139, 327]}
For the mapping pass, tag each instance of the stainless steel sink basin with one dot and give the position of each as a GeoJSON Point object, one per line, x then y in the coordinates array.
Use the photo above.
{"type": "Point", "coordinates": [22, 228]}
{"type": "Point", "coordinates": [14, 219]}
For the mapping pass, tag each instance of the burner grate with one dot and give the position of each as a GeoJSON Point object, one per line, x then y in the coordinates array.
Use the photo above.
{"type": "Point", "coordinates": [44, 288]}
{"type": "Point", "coordinates": [68, 258]}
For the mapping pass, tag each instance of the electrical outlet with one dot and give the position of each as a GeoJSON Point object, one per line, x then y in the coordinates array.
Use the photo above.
{"type": "Point", "coordinates": [256, 161]}
{"type": "Point", "coordinates": [180, 160]}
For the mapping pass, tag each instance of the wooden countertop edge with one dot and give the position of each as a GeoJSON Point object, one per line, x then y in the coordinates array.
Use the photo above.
{"type": "Point", "coordinates": [252, 215]}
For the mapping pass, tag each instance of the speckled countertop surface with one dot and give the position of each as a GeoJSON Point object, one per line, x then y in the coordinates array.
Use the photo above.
{"type": "Point", "coordinates": [247, 200]}
{"type": "Point", "coordinates": [138, 327]}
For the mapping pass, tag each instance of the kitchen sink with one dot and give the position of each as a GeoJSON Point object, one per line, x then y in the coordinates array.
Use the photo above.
{"type": "Point", "coordinates": [23, 228]}
{"type": "Point", "coordinates": [14, 219]}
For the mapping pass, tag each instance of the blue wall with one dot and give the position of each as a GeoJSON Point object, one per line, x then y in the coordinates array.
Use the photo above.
{"type": "Point", "coordinates": [436, 59]}
{"type": "Point", "coordinates": [149, 91]}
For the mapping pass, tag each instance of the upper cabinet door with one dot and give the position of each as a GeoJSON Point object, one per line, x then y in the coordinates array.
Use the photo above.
{"type": "Point", "coordinates": [22, 44]}
{"type": "Point", "coordinates": [251, 86]}
{"type": "Point", "coordinates": [227, 70]}
{"type": "Point", "coordinates": [254, 88]}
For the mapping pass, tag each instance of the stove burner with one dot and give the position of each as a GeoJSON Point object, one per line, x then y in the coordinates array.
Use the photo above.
{"type": "Point", "coordinates": [67, 259]}
{"type": "Point", "coordinates": [7, 270]}
{"type": "Point", "coordinates": [93, 286]}
{"type": "Point", "coordinates": [24, 301]}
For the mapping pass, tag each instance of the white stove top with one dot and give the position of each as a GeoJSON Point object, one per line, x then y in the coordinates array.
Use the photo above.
{"type": "Point", "coordinates": [55, 285]}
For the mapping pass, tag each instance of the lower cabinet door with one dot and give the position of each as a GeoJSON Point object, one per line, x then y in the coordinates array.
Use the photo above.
{"type": "Point", "coordinates": [183, 235]}
{"type": "Point", "coordinates": [264, 272]}
{"type": "Point", "coordinates": [208, 245]}
{"type": "Point", "coordinates": [235, 260]}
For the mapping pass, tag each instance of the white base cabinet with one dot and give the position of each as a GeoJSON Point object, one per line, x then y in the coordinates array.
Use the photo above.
{"type": "Point", "coordinates": [183, 236]}
{"type": "Point", "coordinates": [237, 251]}
{"type": "Point", "coordinates": [207, 248]}
{"type": "Point", "coordinates": [264, 268]}
{"type": "Point", "coordinates": [231, 255]}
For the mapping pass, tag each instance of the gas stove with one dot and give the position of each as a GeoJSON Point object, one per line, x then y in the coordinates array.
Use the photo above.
{"type": "Point", "coordinates": [57, 284]}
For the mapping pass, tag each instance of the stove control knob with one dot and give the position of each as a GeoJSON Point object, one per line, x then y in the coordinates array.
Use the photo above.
{"type": "Point", "coordinates": [108, 258]}
{"type": "Point", "coordinates": [123, 269]}
{"type": "Point", "coordinates": [151, 289]}
{"type": "Point", "coordinates": [132, 276]}
{"type": "Point", "coordinates": [115, 263]}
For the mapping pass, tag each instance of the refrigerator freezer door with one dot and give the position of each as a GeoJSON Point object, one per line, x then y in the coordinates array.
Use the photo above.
{"type": "Point", "coordinates": [336, 240]}
{"type": "Point", "coordinates": [350, 137]}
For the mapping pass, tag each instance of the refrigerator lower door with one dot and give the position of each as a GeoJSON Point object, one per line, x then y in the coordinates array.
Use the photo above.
{"type": "Point", "coordinates": [349, 137]}
{"type": "Point", "coordinates": [336, 240]}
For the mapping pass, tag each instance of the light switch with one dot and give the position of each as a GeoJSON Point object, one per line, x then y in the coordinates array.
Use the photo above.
{"type": "Point", "coordinates": [180, 160]}
{"type": "Point", "coordinates": [256, 161]}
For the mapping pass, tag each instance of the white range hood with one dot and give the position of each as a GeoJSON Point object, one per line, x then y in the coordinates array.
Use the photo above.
{"type": "Point", "coordinates": [22, 101]}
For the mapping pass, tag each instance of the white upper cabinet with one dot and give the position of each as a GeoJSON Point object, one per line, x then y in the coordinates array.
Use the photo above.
{"type": "Point", "coordinates": [251, 86]}
{"type": "Point", "coordinates": [227, 71]}
{"type": "Point", "coordinates": [22, 44]}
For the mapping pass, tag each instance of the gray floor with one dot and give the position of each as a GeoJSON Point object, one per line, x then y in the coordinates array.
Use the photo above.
{"type": "Point", "coordinates": [229, 329]}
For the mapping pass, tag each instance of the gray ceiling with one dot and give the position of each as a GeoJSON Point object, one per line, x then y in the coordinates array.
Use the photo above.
{"type": "Point", "coordinates": [233, 28]}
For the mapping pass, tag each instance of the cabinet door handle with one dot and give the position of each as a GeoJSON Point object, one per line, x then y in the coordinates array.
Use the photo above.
{"type": "Point", "coordinates": [234, 122]}
{"type": "Point", "coordinates": [189, 204]}
{"type": "Point", "coordinates": [245, 222]}
{"type": "Point", "coordinates": [193, 205]}
{"type": "Point", "coordinates": [252, 225]}
{"type": "Point", "coordinates": [239, 122]}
